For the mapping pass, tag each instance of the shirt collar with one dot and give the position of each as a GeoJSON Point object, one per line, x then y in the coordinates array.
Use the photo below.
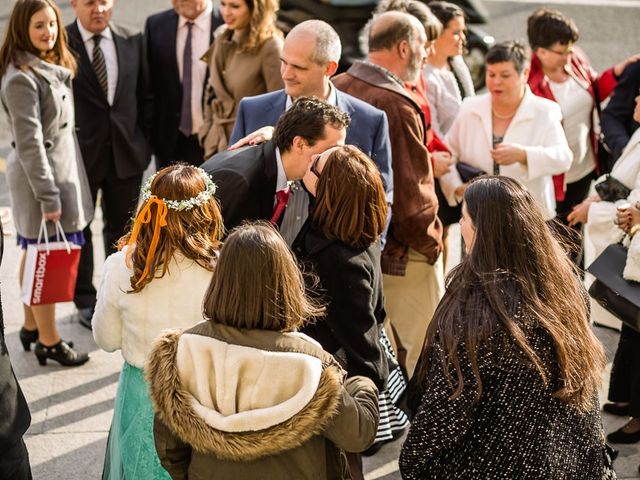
{"type": "Point", "coordinates": [87, 35]}
{"type": "Point", "coordinates": [202, 21]}
{"type": "Point", "coordinates": [281, 181]}
{"type": "Point", "coordinates": [387, 72]}
{"type": "Point", "coordinates": [332, 99]}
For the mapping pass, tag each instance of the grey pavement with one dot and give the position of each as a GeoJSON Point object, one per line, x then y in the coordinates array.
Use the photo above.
{"type": "Point", "coordinates": [72, 408]}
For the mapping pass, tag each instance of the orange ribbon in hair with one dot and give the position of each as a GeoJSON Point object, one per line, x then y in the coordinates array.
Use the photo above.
{"type": "Point", "coordinates": [145, 217]}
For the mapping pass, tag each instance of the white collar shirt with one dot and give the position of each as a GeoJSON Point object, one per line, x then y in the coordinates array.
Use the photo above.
{"type": "Point", "coordinates": [200, 42]}
{"type": "Point", "coordinates": [108, 47]}
{"type": "Point", "coordinates": [332, 99]}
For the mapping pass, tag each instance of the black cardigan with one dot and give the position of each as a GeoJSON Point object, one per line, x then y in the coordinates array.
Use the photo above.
{"type": "Point", "coordinates": [351, 285]}
{"type": "Point", "coordinates": [516, 430]}
{"type": "Point", "coordinates": [14, 412]}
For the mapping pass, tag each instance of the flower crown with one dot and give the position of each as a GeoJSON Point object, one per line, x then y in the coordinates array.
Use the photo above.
{"type": "Point", "coordinates": [188, 203]}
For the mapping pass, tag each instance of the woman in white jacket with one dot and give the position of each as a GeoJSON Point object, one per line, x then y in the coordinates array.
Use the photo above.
{"type": "Point", "coordinates": [601, 218]}
{"type": "Point", "coordinates": [155, 282]}
{"type": "Point", "coordinates": [509, 131]}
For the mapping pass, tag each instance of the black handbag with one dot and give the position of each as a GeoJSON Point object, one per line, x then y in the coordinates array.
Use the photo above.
{"type": "Point", "coordinates": [615, 294]}
{"type": "Point", "coordinates": [468, 172]}
{"type": "Point", "coordinates": [611, 189]}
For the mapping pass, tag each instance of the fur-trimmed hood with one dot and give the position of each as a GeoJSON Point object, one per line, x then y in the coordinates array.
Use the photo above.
{"type": "Point", "coordinates": [242, 394]}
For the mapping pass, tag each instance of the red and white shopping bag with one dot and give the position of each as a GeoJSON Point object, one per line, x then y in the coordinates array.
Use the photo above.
{"type": "Point", "coordinates": [50, 270]}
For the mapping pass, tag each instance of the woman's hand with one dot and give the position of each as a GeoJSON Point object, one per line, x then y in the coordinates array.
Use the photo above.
{"type": "Point", "coordinates": [580, 213]}
{"type": "Point", "coordinates": [619, 68]}
{"type": "Point", "coordinates": [53, 216]}
{"type": "Point", "coordinates": [508, 154]}
{"type": "Point", "coordinates": [442, 162]}
{"type": "Point", "coordinates": [628, 217]}
{"type": "Point", "coordinates": [261, 135]}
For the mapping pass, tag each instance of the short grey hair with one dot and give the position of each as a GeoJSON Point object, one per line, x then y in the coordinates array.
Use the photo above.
{"type": "Point", "coordinates": [328, 46]}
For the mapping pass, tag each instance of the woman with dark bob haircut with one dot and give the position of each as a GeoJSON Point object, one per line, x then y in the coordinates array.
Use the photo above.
{"type": "Point", "coordinates": [510, 369]}
{"type": "Point", "coordinates": [241, 394]}
{"type": "Point", "coordinates": [340, 241]}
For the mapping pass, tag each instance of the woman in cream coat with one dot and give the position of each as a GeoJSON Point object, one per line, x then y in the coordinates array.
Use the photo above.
{"type": "Point", "coordinates": [600, 218]}
{"type": "Point", "coordinates": [509, 131]}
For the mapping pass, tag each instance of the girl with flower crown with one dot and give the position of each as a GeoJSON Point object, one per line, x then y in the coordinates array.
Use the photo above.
{"type": "Point", "coordinates": [156, 281]}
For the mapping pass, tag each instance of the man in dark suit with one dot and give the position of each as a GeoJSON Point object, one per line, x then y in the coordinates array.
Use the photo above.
{"type": "Point", "coordinates": [309, 58]}
{"type": "Point", "coordinates": [177, 38]}
{"type": "Point", "coordinates": [253, 182]}
{"type": "Point", "coordinates": [112, 107]}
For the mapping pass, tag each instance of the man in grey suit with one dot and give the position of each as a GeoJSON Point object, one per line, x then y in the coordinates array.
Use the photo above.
{"type": "Point", "coordinates": [112, 106]}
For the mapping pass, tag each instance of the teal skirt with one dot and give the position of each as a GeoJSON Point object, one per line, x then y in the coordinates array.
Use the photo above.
{"type": "Point", "coordinates": [131, 451]}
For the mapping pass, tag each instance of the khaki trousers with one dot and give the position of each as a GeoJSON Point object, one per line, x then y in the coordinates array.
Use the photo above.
{"type": "Point", "coordinates": [410, 302]}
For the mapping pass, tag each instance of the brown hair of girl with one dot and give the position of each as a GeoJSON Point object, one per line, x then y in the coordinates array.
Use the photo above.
{"type": "Point", "coordinates": [16, 38]}
{"type": "Point", "coordinates": [195, 233]}
{"type": "Point", "coordinates": [257, 283]}
{"type": "Point", "coordinates": [350, 203]}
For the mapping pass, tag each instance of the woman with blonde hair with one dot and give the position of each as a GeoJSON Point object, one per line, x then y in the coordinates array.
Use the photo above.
{"type": "Point", "coordinates": [45, 174]}
{"type": "Point", "coordinates": [242, 395]}
{"type": "Point", "coordinates": [156, 281]}
{"type": "Point", "coordinates": [507, 384]}
{"type": "Point", "coordinates": [244, 61]}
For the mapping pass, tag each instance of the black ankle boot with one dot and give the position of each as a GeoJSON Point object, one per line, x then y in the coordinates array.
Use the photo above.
{"type": "Point", "coordinates": [62, 353]}
{"type": "Point", "coordinates": [27, 337]}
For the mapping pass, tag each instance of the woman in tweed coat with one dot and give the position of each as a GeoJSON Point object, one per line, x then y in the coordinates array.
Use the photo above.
{"type": "Point", "coordinates": [45, 173]}
{"type": "Point", "coordinates": [510, 369]}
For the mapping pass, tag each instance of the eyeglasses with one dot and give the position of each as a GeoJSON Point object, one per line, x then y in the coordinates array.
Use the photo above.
{"type": "Point", "coordinates": [563, 53]}
{"type": "Point", "coordinates": [314, 164]}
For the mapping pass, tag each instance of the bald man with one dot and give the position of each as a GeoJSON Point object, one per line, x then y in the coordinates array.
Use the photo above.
{"type": "Point", "coordinates": [309, 59]}
{"type": "Point", "coordinates": [411, 260]}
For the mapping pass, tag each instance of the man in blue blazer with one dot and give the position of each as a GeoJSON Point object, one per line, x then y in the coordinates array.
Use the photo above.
{"type": "Point", "coordinates": [309, 58]}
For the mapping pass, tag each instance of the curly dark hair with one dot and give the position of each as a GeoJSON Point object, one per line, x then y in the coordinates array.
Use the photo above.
{"type": "Point", "coordinates": [547, 26]}
{"type": "Point", "coordinates": [307, 118]}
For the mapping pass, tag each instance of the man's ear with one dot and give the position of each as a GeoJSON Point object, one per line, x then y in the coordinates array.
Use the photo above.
{"type": "Point", "coordinates": [330, 68]}
{"type": "Point", "coordinates": [404, 49]}
{"type": "Point", "coordinates": [299, 144]}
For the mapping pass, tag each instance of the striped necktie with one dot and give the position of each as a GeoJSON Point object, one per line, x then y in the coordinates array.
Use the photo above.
{"type": "Point", "coordinates": [99, 65]}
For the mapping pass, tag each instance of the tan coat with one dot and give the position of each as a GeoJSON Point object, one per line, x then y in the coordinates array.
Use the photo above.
{"type": "Point", "coordinates": [233, 76]}
{"type": "Point", "coordinates": [254, 404]}
{"type": "Point", "coordinates": [414, 220]}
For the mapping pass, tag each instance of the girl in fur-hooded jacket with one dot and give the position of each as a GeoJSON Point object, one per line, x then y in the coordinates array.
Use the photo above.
{"type": "Point", "coordinates": [244, 396]}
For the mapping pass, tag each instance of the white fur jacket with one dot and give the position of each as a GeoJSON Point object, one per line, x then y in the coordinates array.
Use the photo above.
{"type": "Point", "coordinates": [131, 321]}
{"type": "Point", "coordinates": [255, 404]}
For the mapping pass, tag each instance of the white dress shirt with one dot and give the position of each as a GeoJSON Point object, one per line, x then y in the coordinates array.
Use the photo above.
{"type": "Point", "coordinates": [200, 42]}
{"type": "Point", "coordinates": [576, 104]}
{"type": "Point", "coordinates": [108, 48]}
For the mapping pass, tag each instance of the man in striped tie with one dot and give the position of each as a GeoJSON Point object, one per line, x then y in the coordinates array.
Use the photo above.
{"type": "Point", "coordinates": [112, 109]}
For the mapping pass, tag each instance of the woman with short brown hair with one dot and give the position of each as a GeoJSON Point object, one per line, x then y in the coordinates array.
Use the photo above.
{"type": "Point", "coordinates": [340, 241]}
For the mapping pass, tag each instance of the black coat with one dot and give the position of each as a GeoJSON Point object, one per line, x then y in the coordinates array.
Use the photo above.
{"type": "Point", "coordinates": [516, 430]}
{"type": "Point", "coordinates": [351, 285]}
{"type": "Point", "coordinates": [160, 38]}
{"type": "Point", "coordinates": [617, 119]}
{"type": "Point", "coordinates": [14, 412]}
{"type": "Point", "coordinates": [118, 131]}
{"type": "Point", "coordinates": [246, 183]}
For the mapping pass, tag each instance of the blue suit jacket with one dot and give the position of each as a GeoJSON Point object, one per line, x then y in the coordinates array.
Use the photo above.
{"type": "Point", "coordinates": [369, 129]}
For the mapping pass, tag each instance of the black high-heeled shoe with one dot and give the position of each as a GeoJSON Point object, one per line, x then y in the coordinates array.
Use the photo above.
{"type": "Point", "coordinates": [27, 337]}
{"type": "Point", "coordinates": [62, 353]}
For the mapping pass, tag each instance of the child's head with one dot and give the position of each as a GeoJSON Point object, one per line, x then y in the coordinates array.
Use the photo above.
{"type": "Point", "coordinates": [178, 212]}
{"type": "Point", "coordinates": [257, 283]}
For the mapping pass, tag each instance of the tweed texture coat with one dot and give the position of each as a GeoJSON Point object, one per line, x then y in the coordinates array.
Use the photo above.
{"type": "Point", "coordinates": [45, 172]}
